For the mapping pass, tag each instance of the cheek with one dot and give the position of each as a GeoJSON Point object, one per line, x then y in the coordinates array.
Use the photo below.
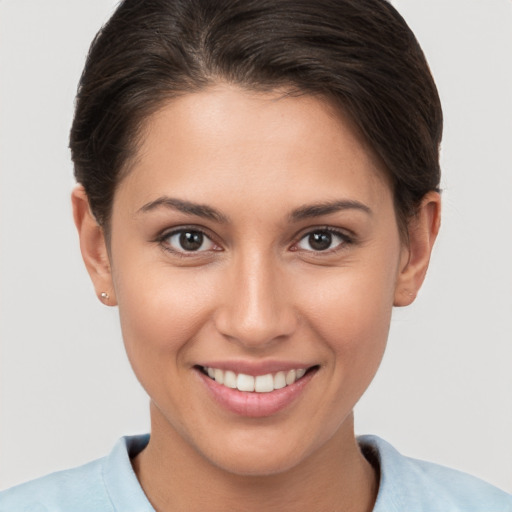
{"type": "Point", "coordinates": [354, 326]}
{"type": "Point", "coordinates": [352, 300]}
{"type": "Point", "coordinates": [349, 310]}
{"type": "Point", "coordinates": [161, 311]}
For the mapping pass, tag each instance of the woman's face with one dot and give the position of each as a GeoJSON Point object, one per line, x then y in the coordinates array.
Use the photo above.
{"type": "Point", "coordinates": [254, 236]}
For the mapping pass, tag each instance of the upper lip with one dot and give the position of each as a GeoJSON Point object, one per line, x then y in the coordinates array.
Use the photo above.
{"type": "Point", "coordinates": [256, 368]}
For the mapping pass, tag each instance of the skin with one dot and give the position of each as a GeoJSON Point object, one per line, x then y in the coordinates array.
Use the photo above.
{"type": "Point", "coordinates": [258, 292]}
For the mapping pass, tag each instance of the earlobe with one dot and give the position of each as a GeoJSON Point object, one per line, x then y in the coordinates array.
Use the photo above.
{"type": "Point", "coordinates": [93, 247]}
{"type": "Point", "coordinates": [422, 230]}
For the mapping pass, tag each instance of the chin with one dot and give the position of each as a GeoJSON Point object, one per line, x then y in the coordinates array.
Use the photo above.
{"type": "Point", "coordinates": [262, 465]}
{"type": "Point", "coordinates": [270, 456]}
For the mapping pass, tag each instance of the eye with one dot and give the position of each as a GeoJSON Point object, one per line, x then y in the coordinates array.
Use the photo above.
{"type": "Point", "coordinates": [322, 240]}
{"type": "Point", "coordinates": [188, 240]}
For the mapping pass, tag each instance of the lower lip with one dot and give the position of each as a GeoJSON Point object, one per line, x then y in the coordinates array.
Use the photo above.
{"type": "Point", "coordinates": [252, 404]}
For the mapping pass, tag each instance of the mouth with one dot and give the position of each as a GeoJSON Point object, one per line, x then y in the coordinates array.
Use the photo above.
{"type": "Point", "coordinates": [255, 383]}
{"type": "Point", "coordinates": [256, 396]}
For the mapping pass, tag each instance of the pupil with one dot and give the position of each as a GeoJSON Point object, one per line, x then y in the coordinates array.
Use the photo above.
{"type": "Point", "coordinates": [191, 240]}
{"type": "Point", "coordinates": [320, 241]}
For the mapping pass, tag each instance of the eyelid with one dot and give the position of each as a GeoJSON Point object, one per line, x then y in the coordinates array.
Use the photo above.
{"type": "Point", "coordinates": [169, 232]}
{"type": "Point", "coordinates": [347, 236]}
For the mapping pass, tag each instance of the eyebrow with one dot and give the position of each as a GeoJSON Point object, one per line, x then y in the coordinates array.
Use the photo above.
{"type": "Point", "coordinates": [319, 209]}
{"type": "Point", "coordinates": [207, 212]}
{"type": "Point", "coordinates": [200, 210]}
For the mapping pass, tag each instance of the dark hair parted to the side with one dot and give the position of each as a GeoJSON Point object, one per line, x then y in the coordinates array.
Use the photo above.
{"type": "Point", "coordinates": [358, 53]}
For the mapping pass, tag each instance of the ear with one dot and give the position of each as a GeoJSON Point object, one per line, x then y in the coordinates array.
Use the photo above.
{"type": "Point", "coordinates": [93, 247]}
{"type": "Point", "coordinates": [422, 231]}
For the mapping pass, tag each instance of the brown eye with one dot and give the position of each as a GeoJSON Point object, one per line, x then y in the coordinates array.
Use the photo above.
{"type": "Point", "coordinates": [321, 240]}
{"type": "Point", "coordinates": [189, 240]}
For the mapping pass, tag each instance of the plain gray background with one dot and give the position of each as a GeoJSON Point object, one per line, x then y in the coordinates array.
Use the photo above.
{"type": "Point", "coordinates": [444, 390]}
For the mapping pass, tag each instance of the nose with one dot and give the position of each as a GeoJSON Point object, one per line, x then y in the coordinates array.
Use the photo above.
{"type": "Point", "coordinates": [256, 309]}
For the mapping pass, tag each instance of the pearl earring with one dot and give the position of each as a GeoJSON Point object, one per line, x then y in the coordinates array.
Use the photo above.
{"type": "Point", "coordinates": [105, 295]}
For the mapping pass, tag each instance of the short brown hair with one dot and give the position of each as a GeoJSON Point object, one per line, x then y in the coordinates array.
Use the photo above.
{"type": "Point", "coordinates": [358, 53]}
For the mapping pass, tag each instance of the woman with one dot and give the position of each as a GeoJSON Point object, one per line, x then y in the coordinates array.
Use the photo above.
{"type": "Point", "coordinates": [258, 187]}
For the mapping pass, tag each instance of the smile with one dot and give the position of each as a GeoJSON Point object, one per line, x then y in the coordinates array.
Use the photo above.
{"type": "Point", "coordinates": [256, 396]}
{"type": "Point", "coordinates": [259, 383]}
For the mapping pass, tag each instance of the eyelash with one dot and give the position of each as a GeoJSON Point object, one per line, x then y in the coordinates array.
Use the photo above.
{"type": "Point", "coordinates": [346, 239]}
{"type": "Point", "coordinates": [162, 240]}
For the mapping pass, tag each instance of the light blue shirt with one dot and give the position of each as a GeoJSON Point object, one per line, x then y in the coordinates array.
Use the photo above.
{"type": "Point", "coordinates": [109, 484]}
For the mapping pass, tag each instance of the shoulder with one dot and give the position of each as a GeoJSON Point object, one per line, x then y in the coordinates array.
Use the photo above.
{"type": "Point", "coordinates": [104, 485]}
{"type": "Point", "coordinates": [411, 484]}
{"type": "Point", "coordinates": [75, 489]}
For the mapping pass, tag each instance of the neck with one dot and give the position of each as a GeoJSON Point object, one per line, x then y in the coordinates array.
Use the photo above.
{"type": "Point", "coordinates": [175, 476]}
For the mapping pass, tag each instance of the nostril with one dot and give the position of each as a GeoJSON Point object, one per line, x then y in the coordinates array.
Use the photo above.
{"type": "Point", "coordinates": [255, 311]}
{"type": "Point", "coordinates": [257, 329]}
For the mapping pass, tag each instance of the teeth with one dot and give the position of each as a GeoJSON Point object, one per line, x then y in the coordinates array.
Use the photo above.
{"type": "Point", "coordinates": [264, 383]}
{"type": "Point", "coordinates": [244, 382]}
{"type": "Point", "coordinates": [259, 384]}
{"type": "Point", "coordinates": [279, 380]}
{"type": "Point", "coordinates": [290, 377]}
{"type": "Point", "coordinates": [229, 379]}
{"type": "Point", "coordinates": [219, 376]}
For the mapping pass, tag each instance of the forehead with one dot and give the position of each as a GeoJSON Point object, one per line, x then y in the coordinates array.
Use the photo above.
{"type": "Point", "coordinates": [256, 145]}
